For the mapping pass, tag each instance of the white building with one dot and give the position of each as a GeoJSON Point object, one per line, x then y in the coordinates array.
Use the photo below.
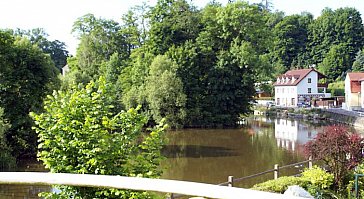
{"type": "Point", "coordinates": [299, 87]}
{"type": "Point", "coordinates": [354, 89]}
{"type": "Point", "coordinates": [65, 70]}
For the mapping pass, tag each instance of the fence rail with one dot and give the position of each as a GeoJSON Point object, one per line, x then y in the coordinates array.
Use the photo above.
{"type": "Point", "coordinates": [134, 183]}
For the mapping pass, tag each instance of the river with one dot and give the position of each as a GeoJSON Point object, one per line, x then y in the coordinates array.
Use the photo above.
{"type": "Point", "coordinates": [211, 155]}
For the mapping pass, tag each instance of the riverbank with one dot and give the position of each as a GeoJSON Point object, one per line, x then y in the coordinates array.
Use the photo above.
{"type": "Point", "coordinates": [336, 115]}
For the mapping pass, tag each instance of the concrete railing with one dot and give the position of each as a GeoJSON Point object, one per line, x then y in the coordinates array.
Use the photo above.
{"type": "Point", "coordinates": [134, 183]}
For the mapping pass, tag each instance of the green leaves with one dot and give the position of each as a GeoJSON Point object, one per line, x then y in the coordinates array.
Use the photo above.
{"type": "Point", "coordinates": [26, 76]}
{"type": "Point", "coordinates": [80, 132]}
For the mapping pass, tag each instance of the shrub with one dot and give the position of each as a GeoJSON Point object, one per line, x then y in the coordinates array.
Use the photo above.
{"type": "Point", "coordinates": [318, 177]}
{"type": "Point", "coordinates": [79, 132]}
{"type": "Point", "coordinates": [319, 181]}
{"type": "Point", "coordinates": [316, 181]}
{"type": "Point", "coordinates": [339, 149]}
{"type": "Point", "coordinates": [281, 184]}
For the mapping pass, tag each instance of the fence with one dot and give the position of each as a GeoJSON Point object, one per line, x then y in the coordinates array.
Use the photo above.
{"type": "Point", "coordinates": [134, 183]}
{"type": "Point", "coordinates": [275, 170]}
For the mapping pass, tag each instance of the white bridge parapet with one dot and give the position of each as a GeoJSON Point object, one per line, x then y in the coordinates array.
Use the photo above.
{"type": "Point", "coordinates": [141, 184]}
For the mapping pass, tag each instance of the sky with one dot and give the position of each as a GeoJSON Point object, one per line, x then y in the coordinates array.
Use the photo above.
{"type": "Point", "coordinates": [56, 17]}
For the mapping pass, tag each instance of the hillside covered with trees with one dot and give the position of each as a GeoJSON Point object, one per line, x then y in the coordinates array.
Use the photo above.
{"type": "Point", "coordinates": [193, 67]}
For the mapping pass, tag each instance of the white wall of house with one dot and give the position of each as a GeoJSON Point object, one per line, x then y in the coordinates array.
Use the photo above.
{"type": "Point", "coordinates": [347, 93]}
{"type": "Point", "coordinates": [352, 100]}
{"type": "Point", "coordinates": [362, 94]}
{"type": "Point", "coordinates": [286, 95]}
{"type": "Point", "coordinates": [302, 87]}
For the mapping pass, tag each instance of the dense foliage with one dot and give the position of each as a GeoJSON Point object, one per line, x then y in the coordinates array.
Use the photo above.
{"type": "Point", "coordinates": [55, 49]}
{"type": "Point", "coordinates": [26, 76]}
{"type": "Point", "coordinates": [315, 180]}
{"type": "Point", "coordinates": [218, 53]}
{"type": "Point", "coordinates": [340, 149]}
{"type": "Point", "coordinates": [6, 159]}
{"type": "Point", "coordinates": [81, 132]}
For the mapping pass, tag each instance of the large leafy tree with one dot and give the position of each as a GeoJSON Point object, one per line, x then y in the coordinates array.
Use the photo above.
{"type": "Point", "coordinates": [99, 40]}
{"type": "Point", "coordinates": [340, 27]}
{"type": "Point", "coordinates": [165, 92]}
{"type": "Point", "coordinates": [172, 22]}
{"type": "Point", "coordinates": [336, 62]}
{"type": "Point", "coordinates": [291, 35]}
{"type": "Point", "coordinates": [358, 64]}
{"type": "Point", "coordinates": [56, 49]}
{"type": "Point", "coordinates": [216, 69]}
{"type": "Point", "coordinates": [6, 159]}
{"type": "Point", "coordinates": [26, 76]}
{"type": "Point", "coordinates": [82, 132]}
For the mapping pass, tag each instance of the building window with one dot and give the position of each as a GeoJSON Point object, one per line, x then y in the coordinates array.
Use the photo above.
{"type": "Point", "coordinates": [309, 80]}
{"type": "Point", "coordinates": [309, 90]}
{"type": "Point", "coordinates": [277, 101]}
{"type": "Point", "coordinates": [293, 101]}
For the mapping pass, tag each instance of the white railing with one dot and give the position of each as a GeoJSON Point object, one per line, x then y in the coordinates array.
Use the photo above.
{"type": "Point", "coordinates": [134, 183]}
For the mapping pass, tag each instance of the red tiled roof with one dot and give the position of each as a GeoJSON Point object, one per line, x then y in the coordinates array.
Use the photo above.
{"type": "Point", "coordinates": [298, 75]}
{"type": "Point", "coordinates": [355, 79]}
{"type": "Point", "coordinates": [356, 76]}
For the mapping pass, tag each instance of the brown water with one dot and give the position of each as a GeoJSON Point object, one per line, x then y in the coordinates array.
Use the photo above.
{"type": "Point", "coordinates": [211, 155]}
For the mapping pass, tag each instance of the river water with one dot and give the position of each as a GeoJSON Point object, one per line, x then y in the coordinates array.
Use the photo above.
{"type": "Point", "coordinates": [211, 155]}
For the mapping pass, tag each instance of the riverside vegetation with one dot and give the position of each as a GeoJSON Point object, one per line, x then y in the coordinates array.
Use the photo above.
{"type": "Point", "coordinates": [193, 67]}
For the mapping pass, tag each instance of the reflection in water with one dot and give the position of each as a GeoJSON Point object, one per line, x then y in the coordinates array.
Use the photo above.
{"type": "Point", "coordinates": [212, 155]}
{"type": "Point", "coordinates": [196, 151]}
{"type": "Point", "coordinates": [293, 134]}
{"type": "Point", "coordinates": [24, 191]}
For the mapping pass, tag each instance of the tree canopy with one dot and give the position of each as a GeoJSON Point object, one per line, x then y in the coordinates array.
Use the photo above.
{"type": "Point", "coordinates": [27, 75]}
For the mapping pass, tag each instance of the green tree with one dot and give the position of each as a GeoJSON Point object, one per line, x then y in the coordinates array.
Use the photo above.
{"type": "Point", "coordinates": [340, 27]}
{"type": "Point", "coordinates": [172, 22]}
{"type": "Point", "coordinates": [165, 92]}
{"type": "Point", "coordinates": [358, 64]}
{"type": "Point", "coordinates": [27, 76]}
{"type": "Point", "coordinates": [337, 88]}
{"type": "Point", "coordinates": [134, 26]}
{"type": "Point", "coordinates": [290, 41]}
{"type": "Point", "coordinates": [321, 35]}
{"type": "Point", "coordinates": [56, 49]}
{"type": "Point", "coordinates": [6, 159]}
{"type": "Point", "coordinates": [132, 79]}
{"type": "Point", "coordinates": [81, 132]}
{"type": "Point", "coordinates": [335, 63]}
{"type": "Point", "coordinates": [99, 40]}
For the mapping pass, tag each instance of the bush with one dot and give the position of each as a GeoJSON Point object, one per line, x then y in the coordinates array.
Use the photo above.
{"type": "Point", "coordinates": [318, 180]}
{"type": "Point", "coordinates": [281, 184]}
{"type": "Point", "coordinates": [337, 88]}
{"type": "Point", "coordinates": [318, 177]}
{"type": "Point", "coordinates": [315, 180]}
{"type": "Point", "coordinates": [339, 149]}
{"type": "Point", "coordinates": [79, 132]}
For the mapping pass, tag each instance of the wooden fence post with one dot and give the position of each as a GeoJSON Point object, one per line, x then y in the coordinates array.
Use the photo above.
{"type": "Point", "coordinates": [310, 162]}
{"type": "Point", "coordinates": [231, 181]}
{"type": "Point", "coordinates": [276, 171]}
